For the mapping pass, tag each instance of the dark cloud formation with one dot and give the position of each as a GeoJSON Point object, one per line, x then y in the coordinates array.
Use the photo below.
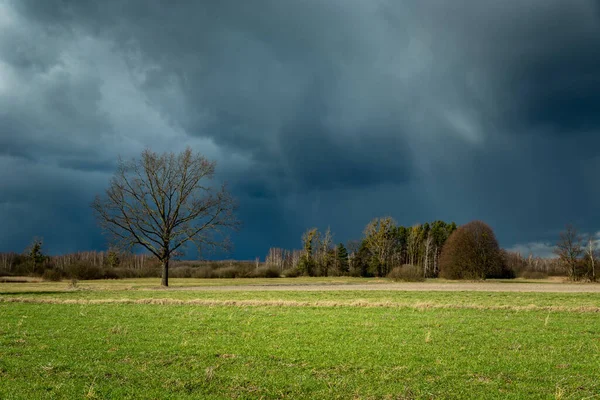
{"type": "Point", "coordinates": [318, 112]}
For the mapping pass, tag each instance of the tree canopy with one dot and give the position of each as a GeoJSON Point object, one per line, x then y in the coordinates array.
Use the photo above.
{"type": "Point", "coordinates": [163, 202]}
{"type": "Point", "coordinates": [472, 252]}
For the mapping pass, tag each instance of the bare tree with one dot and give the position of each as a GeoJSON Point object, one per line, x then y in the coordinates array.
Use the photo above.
{"type": "Point", "coordinates": [276, 258]}
{"type": "Point", "coordinates": [413, 244]}
{"type": "Point", "coordinates": [162, 203]}
{"type": "Point", "coordinates": [591, 253]}
{"type": "Point", "coordinates": [428, 246]}
{"type": "Point", "coordinates": [325, 253]}
{"type": "Point", "coordinates": [568, 249]}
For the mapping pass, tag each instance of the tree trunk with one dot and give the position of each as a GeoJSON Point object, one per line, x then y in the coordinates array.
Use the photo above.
{"type": "Point", "coordinates": [165, 273]}
{"type": "Point", "coordinates": [591, 244]}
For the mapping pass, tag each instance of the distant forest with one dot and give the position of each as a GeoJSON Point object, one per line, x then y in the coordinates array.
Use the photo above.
{"type": "Point", "coordinates": [385, 250]}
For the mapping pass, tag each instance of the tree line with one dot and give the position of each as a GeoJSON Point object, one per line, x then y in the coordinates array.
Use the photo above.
{"type": "Point", "coordinates": [384, 245]}
{"type": "Point", "coordinates": [437, 249]}
{"type": "Point", "coordinates": [163, 203]}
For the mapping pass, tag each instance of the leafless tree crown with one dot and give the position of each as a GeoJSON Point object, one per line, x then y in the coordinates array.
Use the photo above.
{"type": "Point", "coordinates": [163, 202]}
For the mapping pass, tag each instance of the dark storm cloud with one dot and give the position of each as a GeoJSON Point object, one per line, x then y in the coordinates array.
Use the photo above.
{"type": "Point", "coordinates": [319, 112]}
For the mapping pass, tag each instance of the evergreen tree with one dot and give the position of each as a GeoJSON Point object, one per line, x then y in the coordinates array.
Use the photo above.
{"type": "Point", "coordinates": [363, 258]}
{"type": "Point", "coordinates": [35, 254]}
{"type": "Point", "coordinates": [401, 244]}
{"type": "Point", "coordinates": [342, 259]}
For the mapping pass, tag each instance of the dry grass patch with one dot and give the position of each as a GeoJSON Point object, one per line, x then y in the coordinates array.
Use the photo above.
{"type": "Point", "coordinates": [293, 303]}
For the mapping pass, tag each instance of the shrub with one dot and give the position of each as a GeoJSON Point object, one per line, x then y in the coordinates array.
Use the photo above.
{"type": "Point", "coordinates": [110, 273]}
{"type": "Point", "coordinates": [291, 273]}
{"type": "Point", "coordinates": [528, 274]}
{"type": "Point", "coordinates": [227, 272]}
{"type": "Point", "coordinates": [583, 271]}
{"type": "Point", "coordinates": [515, 262]}
{"type": "Point", "coordinates": [180, 272]}
{"type": "Point", "coordinates": [53, 275]}
{"type": "Point", "coordinates": [472, 252]}
{"type": "Point", "coordinates": [204, 272]}
{"type": "Point", "coordinates": [82, 271]}
{"type": "Point", "coordinates": [266, 271]}
{"type": "Point", "coordinates": [407, 273]}
{"type": "Point", "coordinates": [124, 273]}
{"type": "Point", "coordinates": [503, 272]}
{"type": "Point", "coordinates": [307, 266]}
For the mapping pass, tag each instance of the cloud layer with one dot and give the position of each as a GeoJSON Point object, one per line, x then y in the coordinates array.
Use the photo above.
{"type": "Point", "coordinates": [318, 113]}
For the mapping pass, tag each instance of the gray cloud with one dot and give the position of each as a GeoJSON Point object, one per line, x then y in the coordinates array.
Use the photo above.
{"type": "Point", "coordinates": [318, 112]}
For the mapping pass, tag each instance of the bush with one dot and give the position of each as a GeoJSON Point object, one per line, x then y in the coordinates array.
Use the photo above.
{"type": "Point", "coordinates": [204, 272]}
{"type": "Point", "coordinates": [123, 273]}
{"type": "Point", "coordinates": [583, 271]}
{"type": "Point", "coordinates": [266, 271]}
{"type": "Point", "coordinates": [291, 273]}
{"type": "Point", "coordinates": [406, 273]}
{"type": "Point", "coordinates": [180, 272]}
{"type": "Point", "coordinates": [307, 266]}
{"type": "Point", "coordinates": [503, 272]}
{"type": "Point", "coordinates": [52, 275]}
{"type": "Point", "coordinates": [227, 272]}
{"type": "Point", "coordinates": [472, 252]}
{"type": "Point", "coordinates": [515, 262]}
{"type": "Point", "coordinates": [528, 274]}
{"type": "Point", "coordinates": [110, 273]}
{"type": "Point", "coordinates": [81, 271]}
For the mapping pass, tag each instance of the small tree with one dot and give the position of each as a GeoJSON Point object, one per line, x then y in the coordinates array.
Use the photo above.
{"type": "Point", "coordinates": [307, 262]}
{"type": "Point", "coordinates": [112, 258]}
{"type": "Point", "coordinates": [162, 203]}
{"type": "Point", "coordinates": [471, 252]}
{"type": "Point", "coordinates": [35, 255]}
{"type": "Point", "coordinates": [569, 249]}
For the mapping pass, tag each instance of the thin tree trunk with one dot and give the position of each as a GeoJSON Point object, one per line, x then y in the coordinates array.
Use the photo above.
{"type": "Point", "coordinates": [593, 265]}
{"type": "Point", "coordinates": [165, 273]}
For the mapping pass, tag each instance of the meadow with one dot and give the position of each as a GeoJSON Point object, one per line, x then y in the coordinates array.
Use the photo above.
{"type": "Point", "coordinates": [218, 339]}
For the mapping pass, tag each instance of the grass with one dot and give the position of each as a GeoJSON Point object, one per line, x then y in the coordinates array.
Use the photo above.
{"type": "Point", "coordinates": [310, 344]}
{"type": "Point", "coordinates": [33, 284]}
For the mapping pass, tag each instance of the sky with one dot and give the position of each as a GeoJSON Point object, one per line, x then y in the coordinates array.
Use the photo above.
{"type": "Point", "coordinates": [318, 113]}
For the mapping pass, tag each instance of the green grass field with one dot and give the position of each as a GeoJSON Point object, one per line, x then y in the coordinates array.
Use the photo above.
{"type": "Point", "coordinates": [124, 339]}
